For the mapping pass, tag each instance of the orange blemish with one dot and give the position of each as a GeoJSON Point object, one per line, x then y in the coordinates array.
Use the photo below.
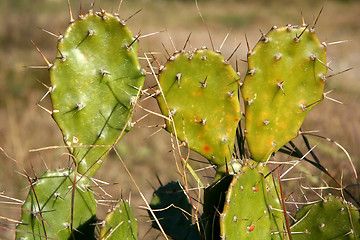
{"type": "Point", "coordinates": [206, 148]}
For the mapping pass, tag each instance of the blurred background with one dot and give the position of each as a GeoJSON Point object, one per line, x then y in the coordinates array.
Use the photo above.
{"type": "Point", "coordinates": [25, 126]}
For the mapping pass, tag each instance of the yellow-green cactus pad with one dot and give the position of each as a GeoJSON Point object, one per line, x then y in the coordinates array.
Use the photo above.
{"type": "Point", "coordinates": [285, 80]}
{"type": "Point", "coordinates": [200, 95]}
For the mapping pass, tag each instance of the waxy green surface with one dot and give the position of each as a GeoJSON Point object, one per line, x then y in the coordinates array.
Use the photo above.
{"type": "Point", "coordinates": [285, 80]}
{"type": "Point", "coordinates": [50, 206]}
{"type": "Point", "coordinates": [95, 82]}
{"type": "Point", "coordinates": [252, 208]}
{"type": "Point", "coordinates": [327, 218]}
{"type": "Point", "coordinates": [201, 93]}
{"type": "Point", "coordinates": [120, 223]}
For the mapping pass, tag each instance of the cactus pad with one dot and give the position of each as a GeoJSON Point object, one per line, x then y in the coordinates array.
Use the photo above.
{"type": "Point", "coordinates": [173, 210]}
{"type": "Point", "coordinates": [330, 218]}
{"type": "Point", "coordinates": [252, 209]}
{"type": "Point", "coordinates": [201, 93]}
{"type": "Point", "coordinates": [120, 223]}
{"type": "Point", "coordinates": [214, 199]}
{"type": "Point", "coordinates": [95, 83]}
{"type": "Point", "coordinates": [48, 206]}
{"type": "Point", "coordinates": [285, 80]}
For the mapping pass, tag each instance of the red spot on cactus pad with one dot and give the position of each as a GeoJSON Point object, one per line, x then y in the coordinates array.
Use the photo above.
{"type": "Point", "coordinates": [206, 148]}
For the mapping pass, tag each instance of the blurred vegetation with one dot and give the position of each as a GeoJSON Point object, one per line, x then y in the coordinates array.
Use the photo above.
{"type": "Point", "coordinates": [24, 126]}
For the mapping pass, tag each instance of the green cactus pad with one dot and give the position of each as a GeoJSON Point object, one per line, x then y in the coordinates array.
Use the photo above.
{"type": "Point", "coordinates": [330, 218]}
{"type": "Point", "coordinates": [252, 209]}
{"type": "Point", "coordinates": [48, 206]}
{"type": "Point", "coordinates": [201, 92]}
{"type": "Point", "coordinates": [285, 80]}
{"type": "Point", "coordinates": [120, 223]}
{"type": "Point", "coordinates": [95, 83]}
{"type": "Point", "coordinates": [173, 210]}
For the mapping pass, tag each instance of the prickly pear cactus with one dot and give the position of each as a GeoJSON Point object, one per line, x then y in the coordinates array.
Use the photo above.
{"type": "Point", "coordinates": [328, 218]}
{"type": "Point", "coordinates": [200, 94]}
{"type": "Point", "coordinates": [52, 208]}
{"type": "Point", "coordinates": [285, 80]}
{"type": "Point", "coordinates": [251, 209]}
{"type": "Point", "coordinates": [120, 223]}
{"type": "Point", "coordinates": [95, 80]}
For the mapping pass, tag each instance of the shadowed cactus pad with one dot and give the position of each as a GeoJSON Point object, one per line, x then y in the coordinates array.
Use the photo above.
{"type": "Point", "coordinates": [330, 218]}
{"type": "Point", "coordinates": [252, 209]}
{"type": "Point", "coordinates": [285, 80]}
{"type": "Point", "coordinates": [48, 206]}
{"type": "Point", "coordinates": [214, 199]}
{"type": "Point", "coordinates": [120, 223]}
{"type": "Point", "coordinates": [172, 208]}
{"type": "Point", "coordinates": [95, 83]}
{"type": "Point", "coordinates": [201, 93]}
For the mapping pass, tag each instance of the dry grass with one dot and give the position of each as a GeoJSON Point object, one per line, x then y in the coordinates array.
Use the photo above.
{"type": "Point", "coordinates": [25, 126]}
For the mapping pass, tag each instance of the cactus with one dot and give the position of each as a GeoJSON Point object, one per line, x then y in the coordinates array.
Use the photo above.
{"type": "Point", "coordinates": [96, 80]}
{"type": "Point", "coordinates": [327, 218]}
{"type": "Point", "coordinates": [58, 207]}
{"type": "Point", "coordinates": [251, 206]}
{"type": "Point", "coordinates": [120, 223]}
{"type": "Point", "coordinates": [200, 95]}
{"type": "Point", "coordinates": [285, 80]}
